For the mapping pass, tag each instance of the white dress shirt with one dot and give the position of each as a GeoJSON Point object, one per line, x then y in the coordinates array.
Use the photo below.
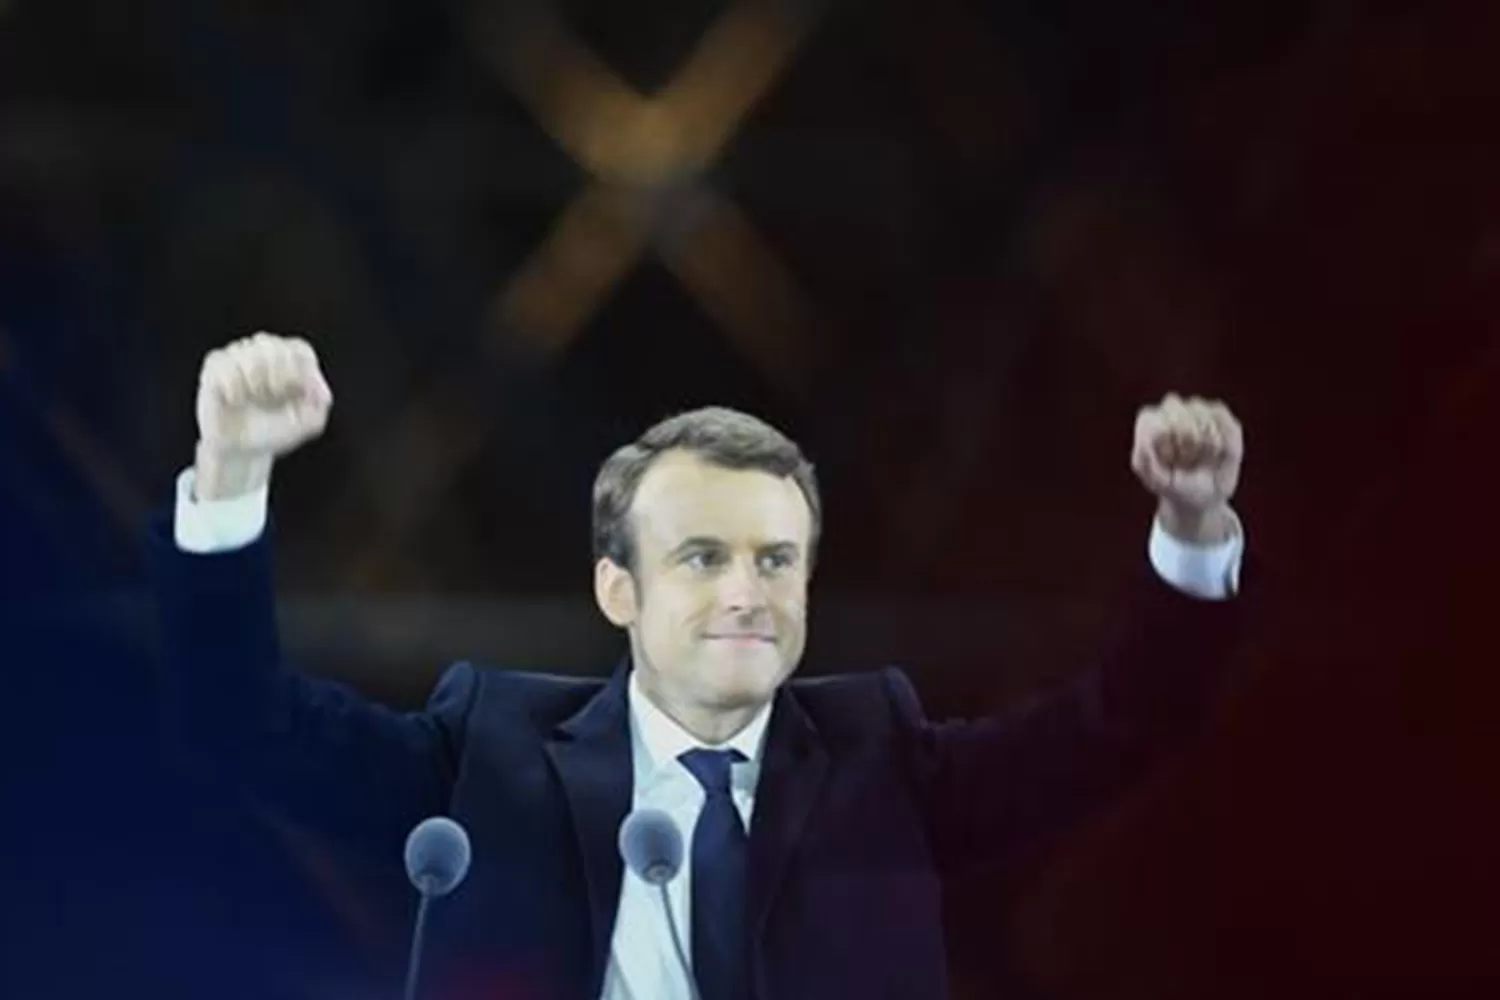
{"type": "Point", "coordinates": [643, 963]}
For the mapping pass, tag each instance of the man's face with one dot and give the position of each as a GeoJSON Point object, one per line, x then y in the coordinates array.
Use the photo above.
{"type": "Point", "coordinates": [720, 582]}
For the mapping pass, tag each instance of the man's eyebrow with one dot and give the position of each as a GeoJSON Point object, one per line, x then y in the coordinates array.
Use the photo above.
{"type": "Point", "coordinates": [695, 542]}
{"type": "Point", "coordinates": [699, 542]}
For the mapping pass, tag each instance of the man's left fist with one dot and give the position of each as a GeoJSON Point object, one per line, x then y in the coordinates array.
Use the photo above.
{"type": "Point", "coordinates": [1188, 452]}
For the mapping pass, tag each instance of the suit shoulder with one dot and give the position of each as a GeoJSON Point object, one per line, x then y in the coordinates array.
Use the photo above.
{"type": "Point", "coordinates": [853, 707]}
{"type": "Point", "coordinates": [543, 698]}
{"type": "Point", "coordinates": [856, 685]}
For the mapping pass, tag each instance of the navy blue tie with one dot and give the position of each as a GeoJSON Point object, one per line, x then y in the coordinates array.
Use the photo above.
{"type": "Point", "coordinates": [721, 943]}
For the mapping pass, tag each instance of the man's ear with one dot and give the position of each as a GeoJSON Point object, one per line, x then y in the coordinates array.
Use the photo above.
{"type": "Point", "coordinates": [614, 590]}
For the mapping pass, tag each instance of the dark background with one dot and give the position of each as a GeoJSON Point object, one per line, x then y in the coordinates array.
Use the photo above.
{"type": "Point", "coordinates": [950, 247]}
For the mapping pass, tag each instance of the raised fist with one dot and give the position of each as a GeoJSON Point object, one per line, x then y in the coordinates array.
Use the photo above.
{"type": "Point", "coordinates": [1188, 452]}
{"type": "Point", "coordinates": [261, 397]}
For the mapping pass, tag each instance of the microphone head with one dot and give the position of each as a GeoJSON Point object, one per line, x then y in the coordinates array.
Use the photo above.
{"type": "Point", "coordinates": [651, 845]}
{"type": "Point", "coordinates": [437, 856]}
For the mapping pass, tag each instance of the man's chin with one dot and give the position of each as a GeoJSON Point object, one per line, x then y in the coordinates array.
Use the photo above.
{"type": "Point", "coordinates": [746, 682]}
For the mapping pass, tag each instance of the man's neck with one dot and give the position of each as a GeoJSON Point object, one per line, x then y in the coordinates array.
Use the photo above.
{"type": "Point", "coordinates": [711, 727]}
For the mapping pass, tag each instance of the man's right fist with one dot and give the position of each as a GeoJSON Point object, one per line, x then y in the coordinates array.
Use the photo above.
{"type": "Point", "coordinates": [261, 396]}
{"type": "Point", "coordinates": [258, 398]}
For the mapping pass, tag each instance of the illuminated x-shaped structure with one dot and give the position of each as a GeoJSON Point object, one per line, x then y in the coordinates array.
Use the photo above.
{"type": "Point", "coordinates": [647, 156]}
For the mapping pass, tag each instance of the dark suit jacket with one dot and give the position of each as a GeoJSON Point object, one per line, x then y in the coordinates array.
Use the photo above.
{"type": "Point", "coordinates": [864, 806]}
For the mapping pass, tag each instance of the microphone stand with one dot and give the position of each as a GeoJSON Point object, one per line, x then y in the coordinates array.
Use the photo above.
{"type": "Point", "coordinates": [414, 961]}
{"type": "Point", "coordinates": [677, 942]}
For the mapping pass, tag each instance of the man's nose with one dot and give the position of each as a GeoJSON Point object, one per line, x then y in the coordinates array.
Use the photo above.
{"type": "Point", "coordinates": [742, 588]}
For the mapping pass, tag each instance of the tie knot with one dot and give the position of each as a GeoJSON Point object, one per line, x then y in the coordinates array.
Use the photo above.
{"type": "Point", "coordinates": [711, 768]}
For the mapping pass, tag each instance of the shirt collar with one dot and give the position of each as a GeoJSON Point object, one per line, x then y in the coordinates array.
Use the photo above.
{"type": "Point", "coordinates": [659, 740]}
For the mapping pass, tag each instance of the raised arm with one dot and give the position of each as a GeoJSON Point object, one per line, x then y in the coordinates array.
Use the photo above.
{"type": "Point", "coordinates": [307, 748]}
{"type": "Point", "coordinates": [1007, 784]}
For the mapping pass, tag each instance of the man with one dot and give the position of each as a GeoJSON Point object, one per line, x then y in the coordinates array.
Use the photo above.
{"type": "Point", "coordinates": [820, 816]}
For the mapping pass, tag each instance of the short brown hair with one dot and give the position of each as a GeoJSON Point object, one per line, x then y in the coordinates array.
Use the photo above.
{"type": "Point", "coordinates": [716, 434]}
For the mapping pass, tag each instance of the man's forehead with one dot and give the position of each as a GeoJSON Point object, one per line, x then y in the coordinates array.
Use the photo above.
{"type": "Point", "coordinates": [683, 496]}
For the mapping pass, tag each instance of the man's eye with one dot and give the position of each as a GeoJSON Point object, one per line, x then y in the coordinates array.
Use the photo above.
{"type": "Point", "coordinates": [702, 559]}
{"type": "Point", "coordinates": [775, 561]}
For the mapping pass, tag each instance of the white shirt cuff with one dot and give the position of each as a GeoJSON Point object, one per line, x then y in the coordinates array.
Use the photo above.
{"type": "Point", "coordinates": [205, 527]}
{"type": "Point", "coordinates": [1211, 572]}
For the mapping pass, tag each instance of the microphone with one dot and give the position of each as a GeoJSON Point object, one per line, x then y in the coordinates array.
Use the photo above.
{"type": "Point", "coordinates": [437, 859]}
{"type": "Point", "coordinates": [651, 846]}
{"type": "Point", "coordinates": [437, 856]}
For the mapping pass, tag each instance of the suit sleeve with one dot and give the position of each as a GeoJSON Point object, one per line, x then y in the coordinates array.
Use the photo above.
{"type": "Point", "coordinates": [308, 749]}
{"type": "Point", "coordinates": [995, 788]}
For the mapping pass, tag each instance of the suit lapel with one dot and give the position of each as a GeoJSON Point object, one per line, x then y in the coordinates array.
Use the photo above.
{"type": "Point", "coordinates": [791, 777]}
{"type": "Point", "coordinates": [592, 755]}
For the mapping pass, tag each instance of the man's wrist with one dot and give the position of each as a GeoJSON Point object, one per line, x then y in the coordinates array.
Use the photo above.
{"type": "Point", "coordinates": [1194, 526]}
{"type": "Point", "coordinates": [219, 475]}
